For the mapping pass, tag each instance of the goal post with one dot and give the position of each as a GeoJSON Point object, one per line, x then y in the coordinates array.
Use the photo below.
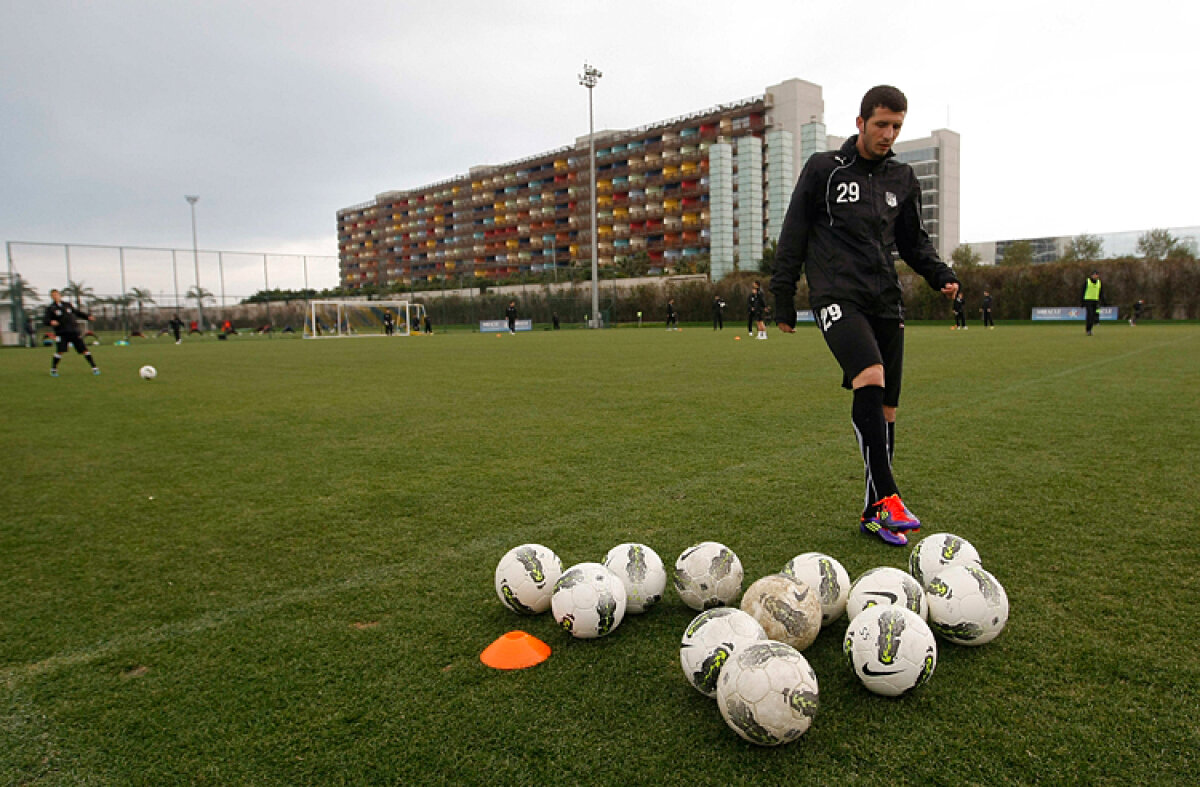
{"type": "Point", "coordinates": [346, 318]}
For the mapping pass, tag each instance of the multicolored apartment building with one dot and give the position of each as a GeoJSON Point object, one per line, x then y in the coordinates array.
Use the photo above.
{"type": "Point", "coordinates": [715, 182]}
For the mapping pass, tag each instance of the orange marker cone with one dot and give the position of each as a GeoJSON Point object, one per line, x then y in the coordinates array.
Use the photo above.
{"type": "Point", "coordinates": [737, 338]}
{"type": "Point", "coordinates": [515, 650]}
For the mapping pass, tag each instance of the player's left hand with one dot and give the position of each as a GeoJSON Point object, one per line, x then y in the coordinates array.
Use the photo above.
{"type": "Point", "coordinates": [950, 290]}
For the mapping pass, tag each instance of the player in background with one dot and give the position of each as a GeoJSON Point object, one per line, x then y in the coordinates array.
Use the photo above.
{"type": "Point", "coordinates": [510, 314]}
{"type": "Point", "coordinates": [718, 312]}
{"type": "Point", "coordinates": [176, 325]}
{"type": "Point", "coordinates": [672, 317]}
{"type": "Point", "coordinates": [986, 308]}
{"type": "Point", "coordinates": [1092, 299]}
{"type": "Point", "coordinates": [850, 208]}
{"type": "Point", "coordinates": [756, 307]}
{"type": "Point", "coordinates": [389, 323]}
{"type": "Point", "coordinates": [1135, 313]}
{"type": "Point", "coordinates": [960, 311]}
{"type": "Point", "coordinates": [63, 319]}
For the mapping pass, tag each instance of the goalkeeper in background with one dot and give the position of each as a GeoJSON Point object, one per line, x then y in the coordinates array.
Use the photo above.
{"type": "Point", "coordinates": [63, 319]}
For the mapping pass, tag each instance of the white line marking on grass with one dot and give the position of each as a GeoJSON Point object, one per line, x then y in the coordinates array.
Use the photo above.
{"type": "Point", "coordinates": [208, 621]}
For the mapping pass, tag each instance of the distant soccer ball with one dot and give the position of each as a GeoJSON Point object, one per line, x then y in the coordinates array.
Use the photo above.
{"type": "Point", "coordinates": [787, 609]}
{"type": "Point", "coordinates": [642, 571]}
{"type": "Point", "coordinates": [938, 550]}
{"type": "Point", "coordinates": [827, 576]}
{"type": "Point", "coordinates": [768, 693]}
{"type": "Point", "coordinates": [967, 605]}
{"type": "Point", "coordinates": [710, 639]}
{"type": "Point", "coordinates": [148, 372]}
{"type": "Point", "coordinates": [525, 578]}
{"type": "Point", "coordinates": [890, 649]}
{"type": "Point", "coordinates": [589, 600]}
{"type": "Point", "coordinates": [885, 585]}
{"type": "Point", "coordinates": [708, 575]}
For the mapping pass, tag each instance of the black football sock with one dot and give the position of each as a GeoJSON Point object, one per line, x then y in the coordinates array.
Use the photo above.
{"type": "Point", "coordinates": [54, 363]}
{"type": "Point", "coordinates": [891, 427]}
{"type": "Point", "coordinates": [871, 429]}
{"type": "Point", "coordinates": [90, 359]}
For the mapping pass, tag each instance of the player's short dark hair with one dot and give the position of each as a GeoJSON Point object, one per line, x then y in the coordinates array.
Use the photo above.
{"type": "Point", "coordinates": [884, 96]}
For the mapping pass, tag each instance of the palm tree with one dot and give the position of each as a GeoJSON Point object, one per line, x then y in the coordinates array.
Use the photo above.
{"type": "Point", "coordinates": [17, 290]}
{"type": "Point", "coordinates": [140, 296]}
{"type": "Point", "coordinates": [121, 303]}
{"type": "Point", "coordinates": [80, 292]}
{"type": "Point", "coordinates": [199, 295]}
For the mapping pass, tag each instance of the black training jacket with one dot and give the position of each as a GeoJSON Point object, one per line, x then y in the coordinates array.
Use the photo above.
{"type": "Point", "coordinates": [846, 215]}
{"type": "Point", "coordinates": [65, 315]}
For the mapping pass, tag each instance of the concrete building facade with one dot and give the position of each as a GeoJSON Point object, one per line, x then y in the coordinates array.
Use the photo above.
{"type": "Point", "coordinates": [714, 183]}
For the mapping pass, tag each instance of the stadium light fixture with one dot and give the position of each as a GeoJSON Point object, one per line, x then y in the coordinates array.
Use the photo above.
{"type": "Point", "coordinates": [192, 200]}
{"type": "Point", "coordinates": [590, 76]}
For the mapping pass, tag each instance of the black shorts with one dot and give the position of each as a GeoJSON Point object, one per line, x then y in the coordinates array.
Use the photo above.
{"type": "Point", "coordinates": [860, 340]}
{"type": "Point", "coordinates": [63, 342]}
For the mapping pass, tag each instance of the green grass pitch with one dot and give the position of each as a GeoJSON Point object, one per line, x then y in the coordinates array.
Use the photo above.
{"type": "Point", "coordinates": [273, 564]}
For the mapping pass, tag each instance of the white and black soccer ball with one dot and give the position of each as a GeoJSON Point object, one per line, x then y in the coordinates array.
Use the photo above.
{"type": "Point", "coordinates": [886, 585]}
{"type": "Point", "coordinates": [525, 578]}
{"type": "Point", "coordinates": [787, 609]}
{"type": "Point", "coordinates": [967, 605]}
{"type": "Point", "coordinates": [588, 601]}
{"type": "Point", "coordinates": [768, 693]}
{"type": "Point", "coordinates": [890, 648]}
{"type": "Point", "coordinates": [934, 551]}
{"type": "Point", "coordinates": [148, 372]}
{"type": "Point", "coordinates": [642, 571]}
{"type": "Point", "coordinates": [710, 639]}
{"type": "Point", "coordinates": [825, 575]}
{"type": "Point", "coordinates": [708, 575]}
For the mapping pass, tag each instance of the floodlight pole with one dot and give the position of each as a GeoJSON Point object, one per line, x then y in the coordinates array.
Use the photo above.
{"type": "Point", "coordinates": [588, 79]}
{"type": "Point", "coordinates": [192, 200]}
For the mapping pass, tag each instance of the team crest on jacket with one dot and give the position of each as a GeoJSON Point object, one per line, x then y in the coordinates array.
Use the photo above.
{"type": "Point", "coordinates": [891, 199]}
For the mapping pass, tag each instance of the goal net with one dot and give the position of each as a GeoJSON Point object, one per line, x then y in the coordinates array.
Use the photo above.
{"type": "Point", "coordinates": [333, 319]}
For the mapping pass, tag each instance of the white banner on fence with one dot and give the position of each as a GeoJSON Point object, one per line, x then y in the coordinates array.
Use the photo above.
{"type": "Point", "coordinates": [1070, 313]}
{"type": "Point", "coordinates": [499, 326]}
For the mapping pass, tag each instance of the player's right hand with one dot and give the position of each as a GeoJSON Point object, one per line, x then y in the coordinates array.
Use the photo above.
{"type": "Point", "coordinates": [783, 326]}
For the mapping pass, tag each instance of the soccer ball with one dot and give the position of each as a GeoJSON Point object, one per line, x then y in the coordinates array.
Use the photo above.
{"type": "Point", "coordinates": [827, 576]}
{"type": "Point", "coordinates": [786, 608]}
{"type": "Point", "coordinates": [885, 585]}
{"type": "Point", "coordinates": [708, 575]}
{"type": "Point", "coordinates": [967, 605]}
{"type": "Point", "coordinates": [710, 639]}
{"type": "Point", "coordinates": [890, 649]}
{"type": "Point", "coordinates": [148, 372]}
{"type": "Point", "coordinates": [641, 569]}
{"type": "Point", "coordinates": [588, 601]}
{"type": "Point", "coordinates": [767, 693]}
{"type": "Point", "coordinates": [525, 578]}
{"type": "Point", "coordinates": [938, 550]}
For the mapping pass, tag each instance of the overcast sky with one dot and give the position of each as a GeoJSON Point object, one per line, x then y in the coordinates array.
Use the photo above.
{"type": "Point", "coordinates": [279, 113]}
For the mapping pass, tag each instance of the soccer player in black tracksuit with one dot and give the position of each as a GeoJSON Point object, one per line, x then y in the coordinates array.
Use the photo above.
{"type": "Point", "coordinates": [756, 307]}
{"type": "Point", "coordinates": [718, 310]}
{"type": "Point", "coordinates": [960, 311]}
{"type": "Point", "coordinates": [672, 318]}
{"type": "Point", "coordinates": [63, 319]}
{"type": "Point", "coordinates": [988, 322]}
{"type": "Point", "coordinates": [850, 209]}
{"type": "Point", "coordinates": [511, 315]}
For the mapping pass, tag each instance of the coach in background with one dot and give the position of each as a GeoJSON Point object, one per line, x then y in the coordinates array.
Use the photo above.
{"type": "Point", "coordinates": [63, 319]}
{"type": "Point", "coordinates": [851, 207]}
{"type": "Point", "coordinates": [1092, 299]}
